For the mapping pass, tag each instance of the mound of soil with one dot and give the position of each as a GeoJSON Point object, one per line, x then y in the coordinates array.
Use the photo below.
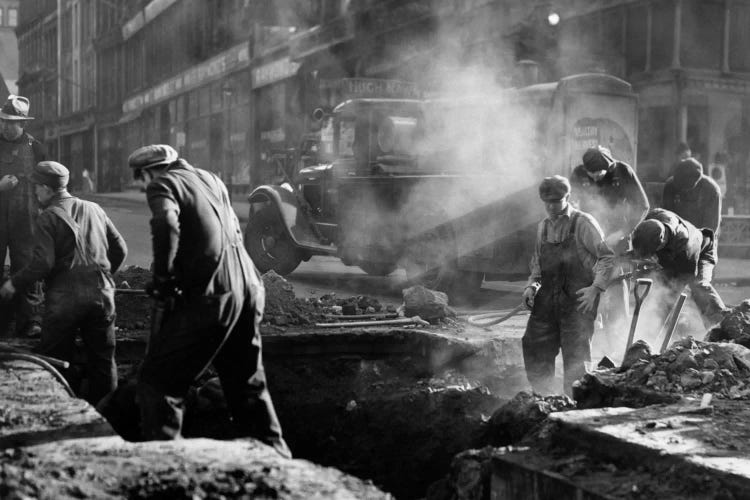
{"type": "Point", "coordinates": [521, 415]}
{"type": "Point", "coordinates": [284, 308]}
{"type": "Point", "coordinates": [688, 367]}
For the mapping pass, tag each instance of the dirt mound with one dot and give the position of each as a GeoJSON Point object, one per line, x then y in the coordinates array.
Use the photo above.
{"type": "Point", "coordinates": [284, 308]}
{"type": "Point", "coordinates": [688, 367]}
{"type": "Point", "coordinates": [735, 327]}
{"type": "Point", "coordinates": [521, 415]}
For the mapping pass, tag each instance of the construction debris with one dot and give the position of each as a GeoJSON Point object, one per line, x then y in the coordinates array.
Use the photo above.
{"type": "Point", "coordinates": [429, 305]}
{"type": "Point", "coordinates": [688, 367]}
{"type": "Point", "coordinates": [522, 414]}
{"type": "Point", "coordinates": [735, 327]}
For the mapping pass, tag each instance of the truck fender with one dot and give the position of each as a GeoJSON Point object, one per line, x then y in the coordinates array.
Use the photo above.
{"type": "Point", "coordinates": [282, 199]}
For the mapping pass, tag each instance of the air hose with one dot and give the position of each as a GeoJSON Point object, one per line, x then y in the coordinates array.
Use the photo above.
{"type": "Point", "coordinates": [13, 356]}
{"type": "Point", "coordinates": [494, 317]}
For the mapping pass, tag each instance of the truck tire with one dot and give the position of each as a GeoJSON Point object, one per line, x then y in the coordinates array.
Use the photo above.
{"type": "Point", "coordinates": [268, 243]}
{"type": "Point", "coordinates": [377, 268]}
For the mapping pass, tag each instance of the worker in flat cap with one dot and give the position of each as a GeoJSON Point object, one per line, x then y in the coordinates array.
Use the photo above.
{"type": "Point", "coordinates": [571, 266]}
{"type": "Point", "coordinates": [19, 152]}
{"type": "Point", "coordinates": [76, 250]}
{"type": "Point", "coordinates": [687, 256]}
{"type": "Point", "coordinates": [209, 301]}
{"type": "Point", "coordinates": [610, 190]}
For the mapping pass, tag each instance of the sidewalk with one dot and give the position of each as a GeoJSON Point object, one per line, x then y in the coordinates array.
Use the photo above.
{"type": "Point", "coordinates": [728, 270]}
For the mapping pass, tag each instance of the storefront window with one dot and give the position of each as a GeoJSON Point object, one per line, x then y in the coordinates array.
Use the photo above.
{"type": "Point", "coordinates": [635, 39]}
{"type": "Point", "coordinates": [702, 34]}
{"type": "Point", "coordinates": [739, 37]}
{"type": "Point", "coordinates": [662, 34]}
{"type": "Point", "coordinates": [654, 127]}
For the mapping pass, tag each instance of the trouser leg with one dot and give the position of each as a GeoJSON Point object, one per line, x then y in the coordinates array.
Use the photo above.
{"type": "Point", "coordinates": [240, 367]}
{"type": "Point", "coordinates": [576, 330]}
{"type": "Point", "coordinates": [541, 343]}
{"type": "Point", "coordinates": [29, 301]}
{"type": "Point", "coordinates": [59, 330]}
{"type": "Point", "coordinates": [706, 297]}
{"type": "Point", "coordinates": [176, 354]}
{"type": "Point", "coordinates": [98, 333]}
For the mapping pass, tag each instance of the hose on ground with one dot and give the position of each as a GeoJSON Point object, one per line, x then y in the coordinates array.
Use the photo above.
{"type": "Point", "coordinates": [494, 317]}
{"type": "Point", "coordinates": [12, 356]}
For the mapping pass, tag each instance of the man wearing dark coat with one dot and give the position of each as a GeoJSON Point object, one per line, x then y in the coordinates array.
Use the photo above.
{"type": "Point", "coordinates": [76, 251]}
{"type": "Point", "coordinates": [19, 153]}
{"type": "Point", "coordinates": [687, 256]}
{"type": "Point", "coordinates": [209, 302]}
{"type": "Point", "coordinates": [693, 195]}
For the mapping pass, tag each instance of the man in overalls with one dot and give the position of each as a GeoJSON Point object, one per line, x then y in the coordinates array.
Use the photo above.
{"type": "Point", "coordinates": [76, 251]}
{"type": "Point", "coordinates": [209, 301]}
{"type": "Point", "coordinates": [19, 152]}
{"type": "Point", "coordinates": [570, 267]}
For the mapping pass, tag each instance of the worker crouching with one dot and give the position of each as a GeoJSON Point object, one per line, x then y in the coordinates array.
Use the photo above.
{"type": "Point", "coordinates": [570, 267]}
{"type": "Point", "coordinates": [77, 249]}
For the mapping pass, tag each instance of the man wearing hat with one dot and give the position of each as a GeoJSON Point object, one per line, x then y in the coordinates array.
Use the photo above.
{"type": "Point", "coordinates": [687, 256]}
{"type": "Point", "coordinates": [209, 301]}
{"type": "Point", "coordinates": [76, 250]}
{"type": "Point", "coordinates": [609, 190]}
{"type": "Point", "coordinates": [570, 267]}
{"type": "Point", "coordinates": [19, 152]}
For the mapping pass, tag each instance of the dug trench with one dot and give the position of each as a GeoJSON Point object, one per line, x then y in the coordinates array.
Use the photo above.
{"type": "Point", "coordinates": [434, 412]}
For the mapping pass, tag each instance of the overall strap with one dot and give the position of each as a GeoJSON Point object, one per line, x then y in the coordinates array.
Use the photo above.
{"type": "Point", "coordinates": [81, 251]}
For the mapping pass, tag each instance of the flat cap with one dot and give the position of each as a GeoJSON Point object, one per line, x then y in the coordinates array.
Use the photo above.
{"type": "Point", "coordinates": [647, 237]}
{"type": "Point", "coordinates": [597, 159]}
{"type": "Point", "coordinates": [151, 156]}
{"type": "Point", "coordinates": [50, 173]}
{"type": "Point", "coordinates": [554, 188]}
{"type": "Point", "coordinates": [16, 108]}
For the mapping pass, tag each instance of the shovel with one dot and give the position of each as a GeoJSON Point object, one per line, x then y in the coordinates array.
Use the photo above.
{"type": "Point", "coordinates": [671, 322]}
{"type": "Point", "coordinates": [640, 290]}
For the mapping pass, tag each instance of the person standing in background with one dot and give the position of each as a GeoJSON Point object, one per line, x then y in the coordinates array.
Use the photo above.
{"type": "Point", "coordinates": [19, 153]}
{"type": "Point", "coordinates": [693, 195]}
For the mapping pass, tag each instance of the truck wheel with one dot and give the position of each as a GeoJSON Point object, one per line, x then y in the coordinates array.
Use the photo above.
{"type": "Point", "coordinates": [377, 268]}
{"type": "Point", "coordinates": [269, 245]}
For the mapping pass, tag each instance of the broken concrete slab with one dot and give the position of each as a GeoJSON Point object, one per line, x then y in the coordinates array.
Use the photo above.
{"type": "Point", "coordinates": [109, 467]}
{"type": "Point", "coordinates": [715, 446]}
{"type": "Point", "coordinates": [36, 408]}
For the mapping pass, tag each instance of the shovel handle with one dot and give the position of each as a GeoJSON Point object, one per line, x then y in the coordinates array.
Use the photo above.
{"type": "Point", "coordinates": [641, 289]}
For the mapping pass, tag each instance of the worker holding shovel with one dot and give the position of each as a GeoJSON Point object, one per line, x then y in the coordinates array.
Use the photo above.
{"type": "Point", "coordinates": [570, 266]}
{"type": "Point", "coordinates": [687, 256]}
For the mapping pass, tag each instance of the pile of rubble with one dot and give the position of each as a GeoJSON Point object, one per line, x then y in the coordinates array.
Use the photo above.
{"type": "Point", "coordinates": [284, 308]}
{"type": "Point", "coordinates": [688, 367]}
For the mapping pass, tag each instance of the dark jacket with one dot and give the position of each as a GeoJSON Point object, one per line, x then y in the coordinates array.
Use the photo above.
{"type": "Point", "coordinates": [55, 244]}
{"type": "Point", "coordinates": [693, 195]}
{"type": "Point", "coordinates": [617, 201]}
{"type": "Point", "coordinates": [192, 227]}
{"type": "Point", "coordinates": [686, 245]}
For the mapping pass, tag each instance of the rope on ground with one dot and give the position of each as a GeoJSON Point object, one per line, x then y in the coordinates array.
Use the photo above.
{"type": "Point", "coordinates": [13, 356]}
{"type": "Point", "coordinates": [494, 317]}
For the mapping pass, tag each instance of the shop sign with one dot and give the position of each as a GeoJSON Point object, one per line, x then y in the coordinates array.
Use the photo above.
{"type": "Point", "coordinates": [232, 60]}
{"type": "Point", "coordinates": [351, 88]}
{"type": "Point", "coordinates": [274, 72]}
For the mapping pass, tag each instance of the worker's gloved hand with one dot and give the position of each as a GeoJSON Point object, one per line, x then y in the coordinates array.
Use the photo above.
{"type": "Point", "coordinates": [528, 295]}
{"type": "Point", "coordinates": [587, 299]}
{"type": "Point", "coordinates": [163, 288]}
{"type": "Point", "coordinates": [8, 182]}
{"type": "Point", "coordinates": [7, 291]}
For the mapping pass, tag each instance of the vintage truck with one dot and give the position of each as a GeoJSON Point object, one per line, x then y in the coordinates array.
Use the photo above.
{"type": "Point", "coordinates": [444, 188]}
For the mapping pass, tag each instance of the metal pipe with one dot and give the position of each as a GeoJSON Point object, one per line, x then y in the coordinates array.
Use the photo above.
{"type": "Point", "coordinates": [671, 323]}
